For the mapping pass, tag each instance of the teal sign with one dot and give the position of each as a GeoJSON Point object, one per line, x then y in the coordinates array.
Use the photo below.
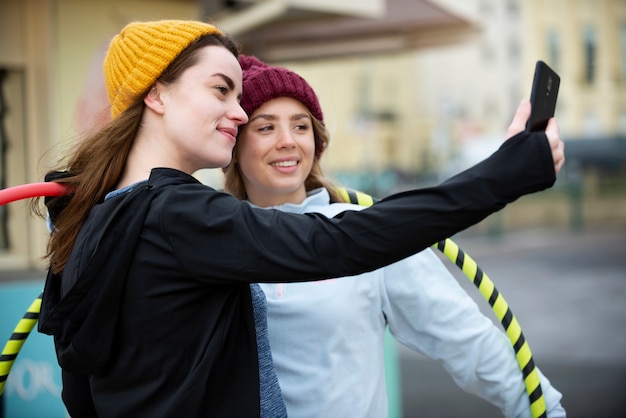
{"type": "Point", "coordinates": [33, 388]}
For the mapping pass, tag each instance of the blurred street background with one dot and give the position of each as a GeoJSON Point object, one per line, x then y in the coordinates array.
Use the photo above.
{"type": "Point", "coordinates": [568, 292]}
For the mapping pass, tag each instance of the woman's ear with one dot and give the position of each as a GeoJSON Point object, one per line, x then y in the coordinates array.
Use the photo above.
{"type": "Point", "coordinates": [153, 99]}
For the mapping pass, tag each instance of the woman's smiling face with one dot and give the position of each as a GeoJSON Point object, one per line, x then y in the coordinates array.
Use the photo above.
{"type": "Point", "coordinates": [275, 152]}
{"type": "Point", "coordinates": [201, 112]}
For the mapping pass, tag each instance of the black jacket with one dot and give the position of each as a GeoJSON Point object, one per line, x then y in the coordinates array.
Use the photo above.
{"type": "Point", "coordinates": [154, 310]}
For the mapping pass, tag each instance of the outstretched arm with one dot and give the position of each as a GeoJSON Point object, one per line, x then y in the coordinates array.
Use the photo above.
{"type": "Point", "coordinates": [394, 228]}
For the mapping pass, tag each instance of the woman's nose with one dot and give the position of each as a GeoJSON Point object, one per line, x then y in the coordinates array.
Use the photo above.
{"type": "Point", "coordinates": [238, 115]}
{"type": "Point", "coordinates": [285, 140]}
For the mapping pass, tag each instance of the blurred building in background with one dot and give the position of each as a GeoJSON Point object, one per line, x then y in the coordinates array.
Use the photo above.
{"type": "Point", "coordinates": [413, 90]}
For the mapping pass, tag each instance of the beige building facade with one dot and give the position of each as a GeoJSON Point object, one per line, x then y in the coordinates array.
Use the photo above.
{"type": "Point", "coordinates": [47, 50]}
{"type": "Point", "coordinates": [451, 105]}
{"type": "Point", "coordinates": [464, 93]}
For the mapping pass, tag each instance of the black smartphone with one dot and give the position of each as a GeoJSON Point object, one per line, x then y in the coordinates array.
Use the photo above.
{"type": "Point", "coordinates": [543, 96]}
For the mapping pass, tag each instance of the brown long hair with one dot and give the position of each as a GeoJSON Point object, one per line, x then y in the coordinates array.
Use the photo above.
{"type": "Point", "coordinates": [233, 181]}
{"type": "Point", "coordinates": [97, 162]}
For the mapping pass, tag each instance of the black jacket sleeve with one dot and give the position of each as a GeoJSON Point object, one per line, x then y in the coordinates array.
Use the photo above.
{"type": "Point", "coordinates": [233, 241]}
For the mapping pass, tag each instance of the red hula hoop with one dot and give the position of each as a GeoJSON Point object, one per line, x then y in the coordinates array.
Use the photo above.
{"type": "Point", "coordinates": [25, 191]}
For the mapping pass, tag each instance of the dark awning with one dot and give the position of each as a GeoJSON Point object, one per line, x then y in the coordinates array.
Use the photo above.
{"type": "Point", "coordinates": [304, 34]}
{"type": "Point", "coordinates": [609, 152]}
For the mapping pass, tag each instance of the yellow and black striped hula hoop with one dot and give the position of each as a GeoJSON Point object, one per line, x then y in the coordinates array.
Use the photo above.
{"type": "Point", "coordinates": [495, 299]}
{"type": "Point", "coordinates": [16, 341]}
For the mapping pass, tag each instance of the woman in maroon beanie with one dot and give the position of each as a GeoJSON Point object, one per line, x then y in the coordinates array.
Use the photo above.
{"type": "Point", "coordinates": [327, 338]}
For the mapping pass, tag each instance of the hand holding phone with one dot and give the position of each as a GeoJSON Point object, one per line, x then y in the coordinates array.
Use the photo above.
{"type": "Point", "coordinates": [543, 97]}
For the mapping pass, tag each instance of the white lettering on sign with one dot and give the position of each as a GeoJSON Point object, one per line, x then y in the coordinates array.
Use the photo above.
{"type": "Point", "coordinates": [28, 379]}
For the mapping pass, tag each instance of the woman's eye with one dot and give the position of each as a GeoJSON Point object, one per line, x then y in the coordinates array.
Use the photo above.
{"type": "Point", "coordinates": [265, 128]}
{"type": "Point", "coordinates": [223, 89]}
{"type": "Point", "coordinates": [302, 127]}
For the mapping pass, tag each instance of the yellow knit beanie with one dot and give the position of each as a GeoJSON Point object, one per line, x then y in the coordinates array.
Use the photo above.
{"type": "Point", "coordinates": [141, 52]}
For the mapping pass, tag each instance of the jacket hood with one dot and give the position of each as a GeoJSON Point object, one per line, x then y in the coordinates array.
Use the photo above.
{"type": "Point", "coordinates": [81, 307]}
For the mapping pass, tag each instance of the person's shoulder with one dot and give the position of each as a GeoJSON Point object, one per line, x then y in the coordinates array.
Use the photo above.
{"type": "Point", "coordinates": [333, 209]}
{"type": "Point", "coordinates": [176, 195]}
{"type": "Point", "coordinates": [172, 183]}
{"type": "Point", "coordinates": [162, 177]}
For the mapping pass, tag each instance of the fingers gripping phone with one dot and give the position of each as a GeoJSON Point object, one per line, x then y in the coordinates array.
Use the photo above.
{"type": "Point", "coordinates": [543, 96]}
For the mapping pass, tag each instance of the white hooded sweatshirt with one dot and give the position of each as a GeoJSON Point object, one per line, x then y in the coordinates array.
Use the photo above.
{"type": "Point", "coordinates": [327, 337]}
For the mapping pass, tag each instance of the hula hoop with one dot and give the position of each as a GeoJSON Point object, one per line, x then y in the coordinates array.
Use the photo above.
{"type": "Point", "coordinates": [27, 323]}
{"type": "Point", "coordinates": [16, 341]}
{"type": "Point", "coordinates": [497, 302]}
{"type": "Point", "coordinates": [25, 191]}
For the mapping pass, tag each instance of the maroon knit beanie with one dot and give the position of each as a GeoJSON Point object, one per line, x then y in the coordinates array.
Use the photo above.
{"type": "Point", "coordinates": [262, 82]}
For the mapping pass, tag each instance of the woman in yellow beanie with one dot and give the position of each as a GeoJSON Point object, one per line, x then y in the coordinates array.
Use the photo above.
{"type": "Point", "coordinates": [149, 295]}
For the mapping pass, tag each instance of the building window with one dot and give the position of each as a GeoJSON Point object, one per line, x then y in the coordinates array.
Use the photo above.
{"type": "Point", "coordinates": [4, 216]}
{"type": "Point", "coordinates": [621, 123]}
{"type": "Point", "coordinates": [622, 40]}
{"type": "Point", "coordinates": [590, 46]}
{"type": "Point", "coordinates": [554, 49]}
